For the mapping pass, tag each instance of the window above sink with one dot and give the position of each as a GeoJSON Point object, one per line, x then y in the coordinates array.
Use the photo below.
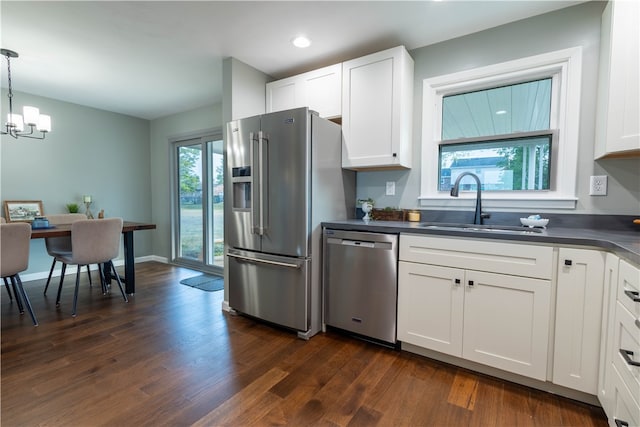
{"type": "Point", "coordinates": [512, 124]}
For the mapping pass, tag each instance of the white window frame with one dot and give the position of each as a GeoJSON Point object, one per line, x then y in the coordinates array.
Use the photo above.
{"type": "Point", "coordinates": [565, 67]}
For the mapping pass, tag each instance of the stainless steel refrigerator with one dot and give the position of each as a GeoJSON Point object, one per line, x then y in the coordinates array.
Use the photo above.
{"type": "Point", "coordinates": [283, 178]}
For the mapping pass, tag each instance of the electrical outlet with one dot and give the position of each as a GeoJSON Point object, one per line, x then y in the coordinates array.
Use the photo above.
{"type": "Point", "coordinates": [391, 188]}
{"type": "Point", "coordinates": [598, 185]}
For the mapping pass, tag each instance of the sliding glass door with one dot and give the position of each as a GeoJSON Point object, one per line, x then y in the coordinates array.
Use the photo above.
{"type": "Point", "coordinates": [198, 200]}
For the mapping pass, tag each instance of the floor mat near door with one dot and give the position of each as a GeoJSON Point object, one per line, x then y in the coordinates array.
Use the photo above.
{"type": "Point", "coordinates": [205, 282]}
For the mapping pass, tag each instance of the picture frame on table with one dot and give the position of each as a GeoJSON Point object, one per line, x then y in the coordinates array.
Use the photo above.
{"type": "Point", "coordinates": [22, 210]}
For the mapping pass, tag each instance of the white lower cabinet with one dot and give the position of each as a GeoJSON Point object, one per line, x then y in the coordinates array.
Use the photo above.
{"type": "Point", "coordinates": [506, 322]}
{"type": "Point", "coordinates": [579, 296]}
{"type": "Point", "coordinates": [610, 283]}
{"type": "Point", "coordinates": [430, 306]}
{"type": "Point", "coordinates": [500, 320]}
{"type": "Point", "coordinates": [622, 363]}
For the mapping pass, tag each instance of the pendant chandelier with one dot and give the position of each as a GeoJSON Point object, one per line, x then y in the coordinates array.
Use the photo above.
{"type": "Point", "coordinates": [30, 116]}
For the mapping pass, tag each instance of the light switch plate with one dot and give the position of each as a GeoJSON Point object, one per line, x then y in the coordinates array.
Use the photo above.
{"type": "Point", "coordinates": [391, 188]}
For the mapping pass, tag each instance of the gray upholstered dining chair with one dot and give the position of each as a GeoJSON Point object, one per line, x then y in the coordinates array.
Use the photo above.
{"type": "Point", "coordinates": [59, 246]}
{"type": "Point", "coordinates": [14, 258]}
{"type": "Point", "coordinates": [6, 279]}
{"type": "Point", "coordinates": [93, 241]}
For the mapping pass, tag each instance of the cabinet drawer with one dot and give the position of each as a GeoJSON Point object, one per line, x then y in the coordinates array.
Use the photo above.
{"type": "Point", "coordinates": [482, 255]}
{"type": "Point", "coordinates": [629, 287]}
{"type": "Point", "coordinates": [624, 408]}
{"type": "Point", "coordinates": [627, 341]}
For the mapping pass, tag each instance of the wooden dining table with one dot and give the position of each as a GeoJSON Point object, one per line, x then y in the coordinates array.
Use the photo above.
{"type": "Point", "coordinates": [128, 227]}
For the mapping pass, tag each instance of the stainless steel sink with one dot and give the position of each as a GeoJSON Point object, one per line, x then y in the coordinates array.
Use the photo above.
{"type": "Point", "coordinates": [481, 228]}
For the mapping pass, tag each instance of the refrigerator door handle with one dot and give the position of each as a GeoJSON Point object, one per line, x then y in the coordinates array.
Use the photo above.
{"type": "Point", "coordinates": [264, 261]}
{"type": "Point", "coordinates": [263, 171]}
{"type": "Point", "coordinates": [254, 189]}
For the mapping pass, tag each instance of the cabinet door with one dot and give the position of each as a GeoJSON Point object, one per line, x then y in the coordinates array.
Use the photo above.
{"type": "Point", "coordinates": [506, 322]}
{"type": "Point", "coordinates": [606, 339]}
{"type": "Point", "coordinates": [578, 319]}
{"type": "Point", "coordinates": [283, 95]}
{"type": "Point", "coordinates": [377, 99]}
{"type": "Point", "coordinates": [430, 303]}
{"type": "Point", "coordinates": [618, 116]}
{"type": "Point", "coordinates": [322, 90]}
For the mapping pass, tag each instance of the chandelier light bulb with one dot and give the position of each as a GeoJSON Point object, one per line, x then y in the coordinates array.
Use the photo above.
{"type": "Point", "coordinates": [44, 123]}
{"type": "Point", "coordinates": [15, 121]}
{"type": "Point", "coordinates": [31, 115]}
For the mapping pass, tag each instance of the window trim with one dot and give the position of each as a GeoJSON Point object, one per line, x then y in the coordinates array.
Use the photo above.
{"type": "Point", "coordinates": [565, 67]}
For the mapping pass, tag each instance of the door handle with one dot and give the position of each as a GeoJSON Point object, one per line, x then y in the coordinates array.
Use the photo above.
{"type": "Point", "coordinates": [470, 283]}
{"type": "Point", "coordinates": [626, 355]}
{"type": "Point", "coordinates": [620, 423]}
{"type": "Point", "coordinates": [263, 261]}
{"type": "Point", "coordinates": [633, 295]}
{"type": "Point", "coordinates": [261, 201]}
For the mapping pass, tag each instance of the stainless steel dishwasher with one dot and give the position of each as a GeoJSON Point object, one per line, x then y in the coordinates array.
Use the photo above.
{"type": "Point", "coordinates": [360, 283]}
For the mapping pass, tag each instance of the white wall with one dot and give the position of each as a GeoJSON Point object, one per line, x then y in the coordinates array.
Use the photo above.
{"type": "Point", "coordinates": [162, 130]}
{"type": "Point", "coordinates": [89, 151]}
{"type": "Point", "coordinates": [575, 26]}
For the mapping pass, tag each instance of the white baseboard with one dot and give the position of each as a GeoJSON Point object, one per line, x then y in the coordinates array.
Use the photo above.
{"type": "Point", "coordinates": [118, 262]}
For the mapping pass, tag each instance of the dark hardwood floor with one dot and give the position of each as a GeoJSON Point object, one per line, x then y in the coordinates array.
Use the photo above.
{"type": "Point", "coordinates": [171, 357]}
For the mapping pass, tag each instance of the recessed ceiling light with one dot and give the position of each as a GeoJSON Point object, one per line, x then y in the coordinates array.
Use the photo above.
{"type": "Point", "coordinates": [500, 112]}
{"type": "Point", "coordinates": [301, 42]}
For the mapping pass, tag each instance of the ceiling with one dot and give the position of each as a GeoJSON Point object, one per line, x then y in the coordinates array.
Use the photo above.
{"type": "Point", "coordinates": [151, 59]}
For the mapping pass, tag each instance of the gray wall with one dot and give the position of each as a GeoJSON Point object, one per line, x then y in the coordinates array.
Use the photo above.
{"type": "Point", "coordinates": [89, 151]}
{"type": "Point", "coordinates": [162, 130]}
{"type": "Point", "coordinates": [575, 26]}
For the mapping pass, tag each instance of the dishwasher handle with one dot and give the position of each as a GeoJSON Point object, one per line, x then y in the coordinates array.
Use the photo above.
{"type": "Point", "coordinates": [360, 243]}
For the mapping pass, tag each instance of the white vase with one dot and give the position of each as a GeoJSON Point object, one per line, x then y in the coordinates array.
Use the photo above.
{"type": "Point", "coordinates": [366, 208]}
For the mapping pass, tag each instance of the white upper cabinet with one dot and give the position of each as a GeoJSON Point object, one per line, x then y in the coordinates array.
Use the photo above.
{"type": "Point", "coordinates": [377, 110]}
{"type": "Point", "coordinates": [320, 90]}
{"type": "Point", "coordinates": [618, 111]}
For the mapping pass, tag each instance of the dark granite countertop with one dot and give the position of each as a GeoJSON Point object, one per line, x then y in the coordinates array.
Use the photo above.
{"type": "Point", "coordinates": [624, 243]}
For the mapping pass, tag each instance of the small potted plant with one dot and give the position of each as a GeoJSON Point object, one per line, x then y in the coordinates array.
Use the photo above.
{"type": "Point", "coordinates": [388, 214]}
{"type": "Point", "coordinates": [73, 207]}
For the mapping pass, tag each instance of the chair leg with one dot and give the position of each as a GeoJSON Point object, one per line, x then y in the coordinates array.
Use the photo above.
{"type": "Point", "coordinates": [117, 276]}
{"type": "Point", "coordinates": [75, 295]}
{"type": "Point", "coordinates": [53, 264]}
{"type": "Point", "coordinates": [6, 285]}
{"type": "Point", "coordinates": [25, 298]}
{"type": "Point", "coordinates": [15, 292]}
{"type": "Point", "coordinates": [64, 269]}
{"type": "Point", "coordinates": [89, 274]}
{"type": "Point", "coordinates": [103, 280]}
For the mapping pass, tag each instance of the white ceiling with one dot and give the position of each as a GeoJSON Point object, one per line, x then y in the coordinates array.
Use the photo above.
{"type": "Point", "coordinates": [151, 59]}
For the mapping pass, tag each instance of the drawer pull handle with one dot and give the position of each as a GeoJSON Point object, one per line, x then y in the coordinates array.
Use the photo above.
{"type": "Point", "coordinates": [634, 295]}
{"type": "Point", "coordinates": [470, 282]}
{"type": "Point", "coordinates": [568, 262]}
{"type": "Point", "coordinates": [620, 423]}
{"type": "Point", "coordinates": [626, 355]}
{"type": "Point", "coordinates": [457, 281]}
